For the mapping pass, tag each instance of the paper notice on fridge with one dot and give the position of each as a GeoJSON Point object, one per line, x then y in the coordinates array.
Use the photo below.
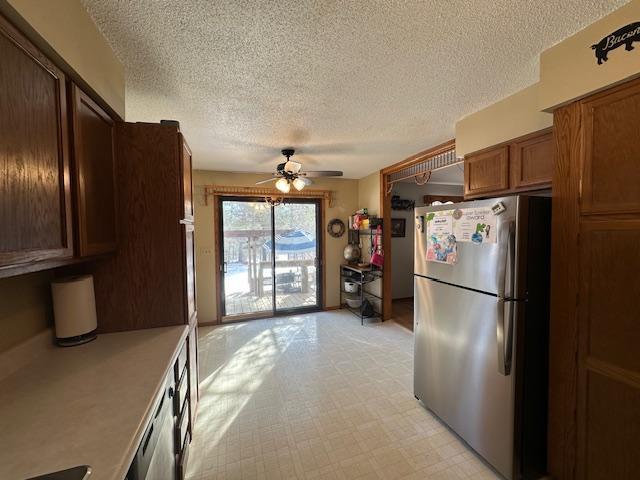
{"type": "Point", "coordinates": [441, 243]}
{"type": "Point", "coordinates": [476, 225]}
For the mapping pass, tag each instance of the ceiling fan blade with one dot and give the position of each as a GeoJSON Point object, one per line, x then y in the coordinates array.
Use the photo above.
{"type": "Point", "coordinates": [267, 180]}
{"type": "Point", "coordinates": [322, 173]}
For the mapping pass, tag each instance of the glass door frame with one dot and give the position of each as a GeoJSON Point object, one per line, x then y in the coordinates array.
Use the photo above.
{"type": "Point", "coordinates": [319, 264]}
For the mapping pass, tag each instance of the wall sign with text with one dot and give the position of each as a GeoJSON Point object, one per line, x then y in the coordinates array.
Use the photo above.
{"type": "Point", "coordinates": [624, 36]}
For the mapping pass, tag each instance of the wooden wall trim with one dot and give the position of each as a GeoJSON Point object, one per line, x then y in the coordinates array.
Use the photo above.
{"type": "Point", "coordinates": [563, 334]}
{"type": "Point", "coordinates": [216, 257]}
{"type": "Point", "coordinates": [385, 209]}
{"type": "Point", "coordinates": [419, 157]}
{"type": "Point", "coordinates": [234, 191]}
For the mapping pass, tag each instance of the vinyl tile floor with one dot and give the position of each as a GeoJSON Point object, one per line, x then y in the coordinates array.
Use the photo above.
{"type": "Point", "coordinates": [317, 396]}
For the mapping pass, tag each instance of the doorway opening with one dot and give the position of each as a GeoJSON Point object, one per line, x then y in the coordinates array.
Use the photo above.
{"type": "Point", "coordinates": [270, 257]}
{"type": "Point", "coordinates": [435, 175]}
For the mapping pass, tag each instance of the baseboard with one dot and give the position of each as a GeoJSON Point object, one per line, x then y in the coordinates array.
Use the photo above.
{"type": "Point", "coordinates": [335, 307]}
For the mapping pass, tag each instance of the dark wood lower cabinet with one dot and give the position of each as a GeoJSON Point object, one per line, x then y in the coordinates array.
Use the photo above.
{"type": "Point", "coordinates": [594, 398]}
{"type": "Point", "coordinates": [194, 376]}
{"type": "Point", "coordinates": [150, 280]}
{"type": "Point", "coordinates": [184, 406]}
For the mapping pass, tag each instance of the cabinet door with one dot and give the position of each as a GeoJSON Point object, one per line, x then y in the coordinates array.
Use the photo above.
{"type": "Point", "coordinates": [532, 163]}
{"type": "Point", "coordinates": [94, 168]}
{"type": "Point", "coordinates": [486, 172]}
{"type": "Point", "coordinates": [611, 168]}
{"type": "Point", "coordinates": [186, 179]}
{"type": "Point", "coordinates": [35, 208]}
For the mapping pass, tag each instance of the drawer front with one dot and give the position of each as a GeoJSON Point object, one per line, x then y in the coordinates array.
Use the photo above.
{"type": "Point", "coordinates": [181, 362]}
{"type": "Point", "coordinates": [182, 427]}
{"type": "Point", "coordinates": [182, 390]}
{"type": "Point", "coordinates": [193, 372]}
{"type": "Point", "coordinates": [183, 458]}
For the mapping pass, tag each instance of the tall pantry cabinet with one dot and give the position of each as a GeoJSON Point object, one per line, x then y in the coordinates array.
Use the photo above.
{"type": "Point", "coordinates": [594, 374]}
{"type": "Point", "coordinates": [150, 280]}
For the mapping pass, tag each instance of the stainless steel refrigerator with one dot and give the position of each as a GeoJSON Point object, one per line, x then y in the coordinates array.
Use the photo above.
{"type": "Point", "coordinates": [481, 313]}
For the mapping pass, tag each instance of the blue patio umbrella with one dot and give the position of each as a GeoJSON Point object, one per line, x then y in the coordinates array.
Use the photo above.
{"type": "Point", "coordinates": [295, 241]}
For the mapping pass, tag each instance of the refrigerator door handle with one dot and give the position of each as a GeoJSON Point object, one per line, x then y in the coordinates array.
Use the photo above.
{"type": "Point", "coordinates": [504, 335]}
{"type": "Point", "coordinates": [508, 239]}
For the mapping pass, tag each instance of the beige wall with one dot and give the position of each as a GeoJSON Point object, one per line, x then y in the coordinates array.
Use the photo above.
{"type": "Point", "coordinates": [509, 118]}
{"type": "Point", "coordinates": [345, 203]}
{"type": "Point", "coordinates": [25, 307]}
{"type": "Point", "coordinates": [569, 70]}
{"type": "Point", "coordinates": [68, 28]}
{"type": "Point", "coordinates": [369, 193]}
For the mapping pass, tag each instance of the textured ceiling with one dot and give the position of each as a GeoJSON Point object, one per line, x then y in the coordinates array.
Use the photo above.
{"type": "Point", "coordinates": [353, 85]}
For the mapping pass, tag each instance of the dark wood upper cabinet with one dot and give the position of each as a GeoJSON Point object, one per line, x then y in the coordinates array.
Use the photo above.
{"type": "Point", "coordinates": [35, 198]}
{"type": "Point", "coordinates": [520, 165]}
{"type": "Point", "coordinates": [94, 175]}
{"type": "Point", "coordinates": [150, 281]}
{"type": "Point", "coordinates": [532, 162]}
{"type": "Point", "coordinates": [486, 171]}
{"type": "Point", "coordinates": [611, 162]}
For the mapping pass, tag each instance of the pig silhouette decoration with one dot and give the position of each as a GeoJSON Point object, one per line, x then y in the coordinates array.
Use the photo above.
{"type": "Point", "coordinates": [624, 36]}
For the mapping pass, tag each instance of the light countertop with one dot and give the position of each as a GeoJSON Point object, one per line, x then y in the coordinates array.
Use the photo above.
{"type": "Point", "coordinates": [84, 405]}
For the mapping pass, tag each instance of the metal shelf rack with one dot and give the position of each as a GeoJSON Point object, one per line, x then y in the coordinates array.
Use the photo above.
{"type": "Point", "coordinates": [361, 277]}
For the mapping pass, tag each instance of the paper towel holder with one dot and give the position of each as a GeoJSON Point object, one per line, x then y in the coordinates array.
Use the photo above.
{"type": "Point", "coordinates": [74, 308]}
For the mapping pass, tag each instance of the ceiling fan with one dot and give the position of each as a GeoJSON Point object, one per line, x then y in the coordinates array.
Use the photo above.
{"type": "Point", "coordinates": [290, 173]}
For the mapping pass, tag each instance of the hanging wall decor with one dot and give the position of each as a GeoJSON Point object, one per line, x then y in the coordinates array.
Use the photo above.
{"type": "Point", "coordinates": [398, 227]}
{"type": "Point", "coordinates": [623, 36]}
{"type": "Point", "coordinates": [398, 203]}
{"type": "Point", "coordinates": [336, 228]}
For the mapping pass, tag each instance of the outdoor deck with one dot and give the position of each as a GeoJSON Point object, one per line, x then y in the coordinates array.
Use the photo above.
{"type": "Point", "coordinates": [244, 303]}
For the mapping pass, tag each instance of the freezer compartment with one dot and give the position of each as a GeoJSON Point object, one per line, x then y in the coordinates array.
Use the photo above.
{"type": "Point", "coordinates": [479, 266]}
{"type": "Point", "coordinates": [458, 370]}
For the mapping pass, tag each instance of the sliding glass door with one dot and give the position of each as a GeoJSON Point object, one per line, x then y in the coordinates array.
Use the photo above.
{"type": "Point", "coordinates": [245, 263]}
{"type": "Point", "coordinates": [297, 255]}
{"type": "Point", "coordinates": [270, 257]}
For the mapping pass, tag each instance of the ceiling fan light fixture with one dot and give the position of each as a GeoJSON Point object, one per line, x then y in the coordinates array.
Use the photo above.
{"type": "Point", "coordinates": [299, 184]}
{"type": "Point", "coordinates": [292, 167]}
{"type": "Point", "coordinates": [283, 185]}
